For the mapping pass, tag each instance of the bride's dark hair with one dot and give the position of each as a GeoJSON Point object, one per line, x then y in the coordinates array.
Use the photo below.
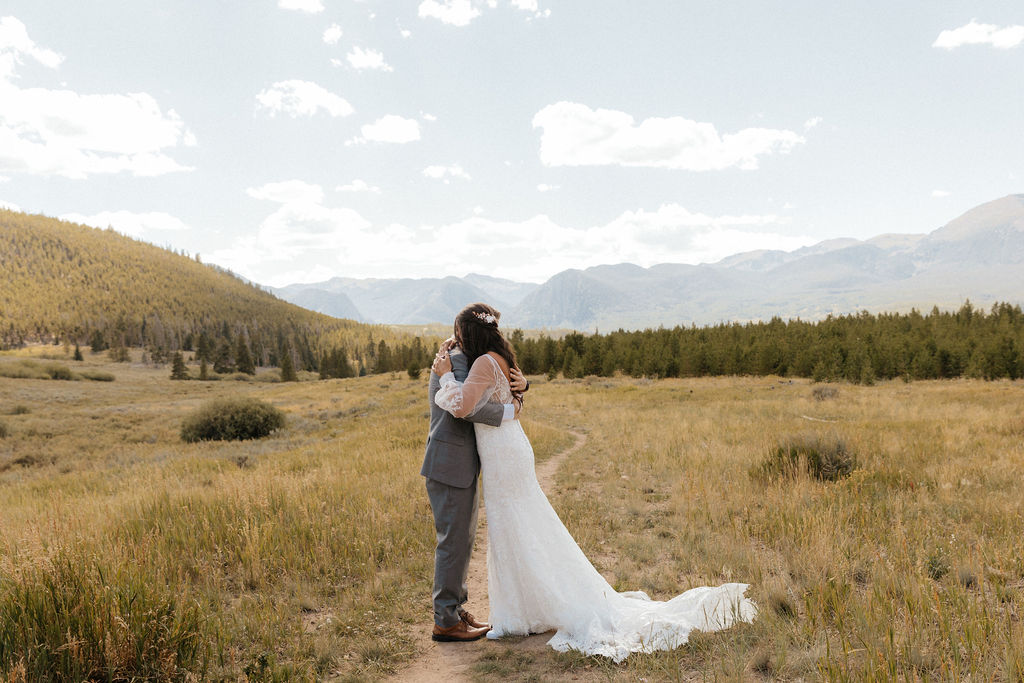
{"type": "Point", "coordinates": [476, 331]}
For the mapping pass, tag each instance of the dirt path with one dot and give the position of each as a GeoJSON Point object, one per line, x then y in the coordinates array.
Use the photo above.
{"type": "Point", "coordinates": [454, 661]}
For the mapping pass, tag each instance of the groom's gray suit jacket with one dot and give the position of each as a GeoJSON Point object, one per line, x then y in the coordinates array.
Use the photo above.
{"type": "Point", "coordinates": [451, 456]}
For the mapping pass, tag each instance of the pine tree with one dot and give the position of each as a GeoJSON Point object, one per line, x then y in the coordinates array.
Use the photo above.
{"type": "Point", "coordinates": [288, 368]}
{"type": "Point", "coordinates": [178, 369]}
{"type": "Point", "coordinates": [413, 370]}
{"type": "Point", "coordinates": [204, 347]}
{"type": "Point", "coordinates": [204, 370]}
{"type": "Point", "coordinates": [78, 352]}
{"type": "Point", "coordinates": [96, 342]}
{"type": "Point", "coordinates": [222, 361]}
{"type": "Point", "coordinates": [243, 359]}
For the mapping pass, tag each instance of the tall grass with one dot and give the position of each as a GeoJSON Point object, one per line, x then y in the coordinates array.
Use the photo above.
{"type": "Point", "coordinates": [81, 617]}
{"type": "Point", "coordinates": [126, 553]}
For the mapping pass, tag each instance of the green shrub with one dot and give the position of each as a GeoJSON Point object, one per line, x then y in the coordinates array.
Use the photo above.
{"type": "Point", "coordinates": [58, 371]}
{"type": "Point", "coordinates": [23, 369]}
{"type": "Point", "coordinates": [3, 430]}
{"type": "Point", "coordinates": [20, 409]}
{"type": "Point", "coordinates": [229, 419]}
{"type": "Point", "coordinates": [97, 375]}
{"type": "Point", "coordinates": [823, 457]}
{"type": "Point", "coordinates": [27, 368]}
{"type": "Point", "coordinates": [413, 370]}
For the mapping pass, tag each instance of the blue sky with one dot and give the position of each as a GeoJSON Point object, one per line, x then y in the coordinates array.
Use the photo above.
{"type": "Point", "coordinates": [295, 140]}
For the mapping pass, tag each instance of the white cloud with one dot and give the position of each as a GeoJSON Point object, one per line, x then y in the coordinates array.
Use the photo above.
{"type": "Point", "coordinates": [301, 98]}
{"type": "Point", "coordinates": [453, 12]}
{"type": "Point", "coordinates": [332, 34]}
{"type": "Point", "coordinates": [10, 206]}
{"type": "Point", "coordinates": [358, 185]}
{"type": "Point", "coordinates": [531, 6]}
{"type": "Point", "coordinates": [405, 33]}
{"type": "Point", "coordinates": [360, 59]}
{"type": "Point", "coordinates": [288, 192]}
{"type": "Point", "coordinates": [428, 117]}
{"type": "Point", "coordinates": [310, 6]}
{"type": "Point", "coordinates": [544, 187]}
{"type": "Point", "coordinates": [446, 172]}
{"type": "Point", "coordinates": [129, 222]}
{"type": "Point", "coordinates": [63, 133]}
{"type": "Point", "coordinates": [812, 122]}
{"type": "Point", "coordinates": [974, 33]}
{"type": "Point", "coordinates": [302, 235]}
{"type": "Point", "coordinates": [15, 44]}
{"type": "Point", "coordinates": [939, 193]}
{"type": "Point", "coordinates": [390, 128]}
{"type": "Point", "coordinates": [576, 135]}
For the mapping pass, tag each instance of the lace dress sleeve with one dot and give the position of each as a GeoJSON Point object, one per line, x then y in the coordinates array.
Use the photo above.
{"type": "Point", "coordinates": [463, 399]}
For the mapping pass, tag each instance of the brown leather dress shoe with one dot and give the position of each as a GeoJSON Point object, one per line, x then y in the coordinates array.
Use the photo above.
{"type": "Point", "coordinates": [470, 620]}
{"type": "Point", "coordinates": [459, 633]}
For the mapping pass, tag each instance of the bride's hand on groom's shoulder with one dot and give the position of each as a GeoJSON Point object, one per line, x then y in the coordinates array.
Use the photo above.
{"type": "Point", "coordinates": [442, 363]}
{"type": "Point", "coordinates": [517, 380]}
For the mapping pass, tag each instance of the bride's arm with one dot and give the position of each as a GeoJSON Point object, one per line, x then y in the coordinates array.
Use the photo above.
{"type": "Point", "coordinates": [492, 414]}
{"type": "Point", "coordinates": [467, 399]}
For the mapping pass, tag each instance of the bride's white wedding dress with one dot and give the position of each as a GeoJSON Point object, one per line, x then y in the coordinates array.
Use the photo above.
{"type": "Point", "coordinates": [538, 578]}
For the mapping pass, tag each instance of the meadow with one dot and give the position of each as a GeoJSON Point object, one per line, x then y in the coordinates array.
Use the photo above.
{"type": "Point", "coordinates": [127, 553]}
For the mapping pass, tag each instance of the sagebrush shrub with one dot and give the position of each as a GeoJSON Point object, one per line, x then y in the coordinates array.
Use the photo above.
{"type": "Point", "coordinates": [231, 419]}
{"type": "Point", "coordinates": [824, 393]}
{"type": "Point", "coordinates": [827, 458]}
{"type": "Point", "coordinates": [58, 371]}
{"type": "Point", "coordinates": [97, 375]}
{"type": "Point", "coordinates": [3, 430]}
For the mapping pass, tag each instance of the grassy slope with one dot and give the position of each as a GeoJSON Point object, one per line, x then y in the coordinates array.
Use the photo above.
{"type": "Point", "coordinates": [58, 276]}
{"type": "Point", "coordinates": [308, 554]}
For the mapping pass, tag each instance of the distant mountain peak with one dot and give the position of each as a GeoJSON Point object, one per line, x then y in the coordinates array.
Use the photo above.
{"type": "Point", "coordinates": [1004, 213]}
{"type": "Point", "coordinates": [979, 255]}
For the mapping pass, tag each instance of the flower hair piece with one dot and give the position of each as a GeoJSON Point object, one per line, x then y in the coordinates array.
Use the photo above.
{"type": "Point", "coordinates": [486, 317]}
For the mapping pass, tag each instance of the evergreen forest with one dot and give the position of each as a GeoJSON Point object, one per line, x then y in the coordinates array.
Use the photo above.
{"type": "Point", "coordinates": [858, 348]}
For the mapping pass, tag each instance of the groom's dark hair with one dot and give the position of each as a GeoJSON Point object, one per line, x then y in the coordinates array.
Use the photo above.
{"type": "Point", "coordinates": [476, 330]}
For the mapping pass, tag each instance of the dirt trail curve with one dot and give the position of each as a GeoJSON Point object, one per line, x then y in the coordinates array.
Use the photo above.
{"type": "Point", "coordinates": [454, 661]}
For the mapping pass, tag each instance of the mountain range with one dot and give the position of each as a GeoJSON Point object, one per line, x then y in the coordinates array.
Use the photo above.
{"type": "Point", "coordinates": [978, 256]}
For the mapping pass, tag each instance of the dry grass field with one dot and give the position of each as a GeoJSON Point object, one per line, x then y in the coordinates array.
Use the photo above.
{"type": "Point", "coordinates": [126, 552]}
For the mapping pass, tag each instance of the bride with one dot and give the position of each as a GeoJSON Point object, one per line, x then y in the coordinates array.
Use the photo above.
{"type": "Point", "coordinates": [538, 578]}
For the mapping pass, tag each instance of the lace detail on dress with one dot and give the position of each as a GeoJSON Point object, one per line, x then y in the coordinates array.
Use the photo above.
{"type": "Point", "coordinates": [485, 383]}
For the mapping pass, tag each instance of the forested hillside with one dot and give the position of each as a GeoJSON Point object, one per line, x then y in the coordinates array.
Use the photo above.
{"type": "Point", "coordinates": [68, 283]}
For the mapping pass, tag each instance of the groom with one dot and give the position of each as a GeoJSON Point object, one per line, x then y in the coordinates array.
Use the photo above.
{"type": "Point", "coordinates": [451, 466]}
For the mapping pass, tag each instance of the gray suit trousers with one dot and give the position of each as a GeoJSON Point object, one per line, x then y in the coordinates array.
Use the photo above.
{"type": "Point", "coordinates": [456, 529]}
{"type": "Point", "coordinates": [451, 466]}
